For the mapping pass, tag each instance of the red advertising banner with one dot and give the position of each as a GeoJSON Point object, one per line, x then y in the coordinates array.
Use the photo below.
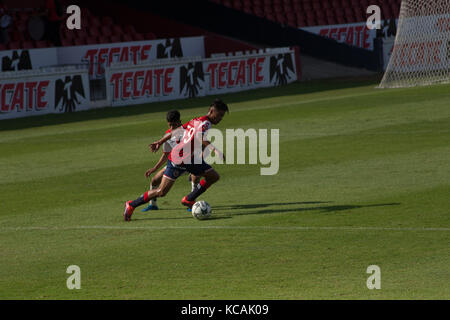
{"type": "Point", "coordinates": [30, 93]}
{"type": "Point", "coordinates": [422, 45]}
{"type": "Point", "coordinates": [100, 56]}
{"type": "Point", "coordinates": [183, 78]}
{"type": "Point", "coordinates": [356, 34]}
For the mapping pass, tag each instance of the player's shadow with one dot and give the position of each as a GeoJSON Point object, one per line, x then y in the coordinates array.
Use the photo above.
{"type": "Point", "coordinates": [224, 208]}
{"type": "Point", "coordinates": [228, 211]}
{"type": "Point", "coordinates": [264, 205]}
{"type": "Point", "coordinates": [320, 209]}
{"type": "Point", "coordinates": [143, 216]}
{"type": "Point", "coordinates": [214, 217]}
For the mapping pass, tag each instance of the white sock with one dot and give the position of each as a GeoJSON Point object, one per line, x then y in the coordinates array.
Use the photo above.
{"type": "Point", "coordinates": [193, 185]}
{"type": "Point", "coordinates": [153, 201]}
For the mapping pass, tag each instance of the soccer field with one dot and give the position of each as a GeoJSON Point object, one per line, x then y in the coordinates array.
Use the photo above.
{"type": "Point", "coordinates": [364, 179]}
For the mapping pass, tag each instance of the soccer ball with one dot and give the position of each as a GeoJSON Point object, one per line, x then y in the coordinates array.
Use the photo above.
{"type": "Point", "coordinates": [201, 210]}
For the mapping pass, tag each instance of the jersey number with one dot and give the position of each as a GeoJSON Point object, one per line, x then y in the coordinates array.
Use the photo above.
{"type": "Point", "coordinates": [189, 134]}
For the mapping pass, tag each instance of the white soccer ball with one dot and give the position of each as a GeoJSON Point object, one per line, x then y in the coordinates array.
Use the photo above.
{"type": "Point", "coordinates": [201, 210]}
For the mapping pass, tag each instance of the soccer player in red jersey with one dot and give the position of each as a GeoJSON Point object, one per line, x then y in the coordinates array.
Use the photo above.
{"type": "Point", "coordinates": [186, 156]}
{"type": "Point", "coordinates": [174, 122]}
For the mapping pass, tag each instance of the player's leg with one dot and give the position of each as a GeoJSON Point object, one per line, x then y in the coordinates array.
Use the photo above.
{"type": "Point", "coordinates": [164, 187]}
{"type": "Point", "coordinates": [170, 175]}
{"type": "Point", "coordinates": [210, 177]}
{"type": "Point", "coordinates": [156, 180]}
{"type": "Point", "coordinates": [195, 180]}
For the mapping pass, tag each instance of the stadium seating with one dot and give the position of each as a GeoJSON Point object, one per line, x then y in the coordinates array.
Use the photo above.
{"type": "Point", "coordinates": [41, 44]}
{"type": "Point", "coordinates": [150, 36]}
{"type": "Point", "coordinates": [107, 26]}
{"type": "Point", "coordinates": [66, 42]}
{"type": "Point", "coordinates": [101, 30]}
{"type": "Point", "coordinates": [301, 13]}
{"type": "Point", "coordinates": [294, 13]}
{"type": "Point", "coordinates": [92, 40]}
{"type": "Point", "coordinates": [14, 45]}
{"type": "Point", "coordinates": [138, 37]}
{"type": "Point", "coordinates": [126, 37]}
{"type": "Point", "coordinates": [79, 42]}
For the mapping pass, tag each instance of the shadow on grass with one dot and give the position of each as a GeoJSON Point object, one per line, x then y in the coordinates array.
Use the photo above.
{"type": "Point", "coordinates": [230, 210]}
{"type": "Point", "coordinates": [264, 205]}
{"type": "Point", "coordinates": [188, 216]}
{"type": "Point", "coordinates": [319, 209]}
{"type": "Point", "coordinates": [149, 108]}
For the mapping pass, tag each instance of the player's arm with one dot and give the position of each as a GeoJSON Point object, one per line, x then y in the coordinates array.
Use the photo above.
{"type": "Point", "coordinates": [157, 144]}
{"type": "Point", "coordinates": [209, 147]}
{"type": "Point", "coordinates": [158, 165]}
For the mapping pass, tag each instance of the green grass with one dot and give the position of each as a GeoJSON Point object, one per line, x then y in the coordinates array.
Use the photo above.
{"type": "Point", "coordinates": [364, 179]}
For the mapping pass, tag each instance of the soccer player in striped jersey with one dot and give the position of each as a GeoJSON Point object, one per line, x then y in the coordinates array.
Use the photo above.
{"type": "Point", "coordinates": [187, 155]}
{"type": "Point", "coordinates": [174, 122]}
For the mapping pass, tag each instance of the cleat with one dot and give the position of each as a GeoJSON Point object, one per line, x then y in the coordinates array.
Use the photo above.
{"type": "Point", "coordinates": [150, 207]}
{"type": "Point", "coordinates": [189, 210]}
{"type": "Point", "coordinates": [187, 203]}
{"type": "Point", "coordinates": [128, 211]}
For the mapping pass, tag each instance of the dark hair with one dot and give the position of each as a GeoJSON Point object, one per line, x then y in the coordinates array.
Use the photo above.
{"type": "Point", "coordinates": [219, 105]}
{"type": "Point", "coordinates": [173, 116]}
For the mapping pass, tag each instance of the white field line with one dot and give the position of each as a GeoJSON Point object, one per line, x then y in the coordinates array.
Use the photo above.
{"type": "Point", "coordinates": [287, 228]}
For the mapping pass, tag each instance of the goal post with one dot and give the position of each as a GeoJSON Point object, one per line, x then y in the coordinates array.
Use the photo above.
{"type": "Point", "coordinates": [421, 52]}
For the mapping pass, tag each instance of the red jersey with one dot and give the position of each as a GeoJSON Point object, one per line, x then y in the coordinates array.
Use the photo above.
{"type": "Point", "coordinates": [190, 145]}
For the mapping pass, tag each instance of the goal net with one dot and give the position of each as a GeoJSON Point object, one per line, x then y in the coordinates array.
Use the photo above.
{"type": "Point", "coordinates": [421, 53]}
